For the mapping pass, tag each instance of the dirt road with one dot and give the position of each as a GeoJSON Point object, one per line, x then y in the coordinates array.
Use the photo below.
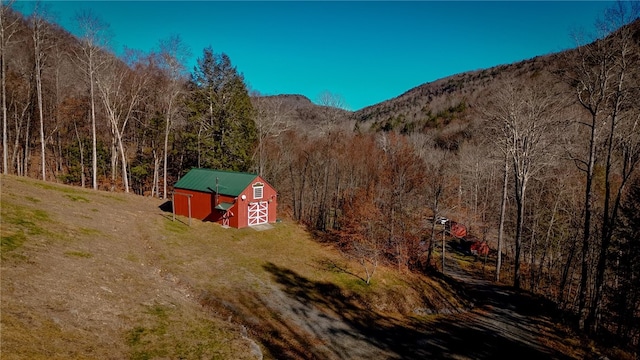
{"type": "Point", "coordinates": [502, 323]}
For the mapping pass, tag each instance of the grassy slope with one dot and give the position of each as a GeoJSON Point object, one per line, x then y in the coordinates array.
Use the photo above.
{"type": "Point", "coordinates": [100, 275]}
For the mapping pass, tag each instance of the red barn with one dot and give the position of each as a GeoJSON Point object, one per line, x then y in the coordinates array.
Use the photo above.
{"type": "Point", "coordinates": [229, 198]}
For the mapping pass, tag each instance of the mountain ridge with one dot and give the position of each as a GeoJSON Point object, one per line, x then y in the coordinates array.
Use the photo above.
{"type": "Point", "coordinates": [422, 107]}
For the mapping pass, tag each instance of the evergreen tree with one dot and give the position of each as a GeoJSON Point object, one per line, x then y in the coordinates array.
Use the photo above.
{"type": "Point", "coordinates": [221, 116]}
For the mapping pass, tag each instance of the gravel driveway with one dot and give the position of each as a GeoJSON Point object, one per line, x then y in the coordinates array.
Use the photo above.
{"type": "Point", "coordinates": [503, 324]}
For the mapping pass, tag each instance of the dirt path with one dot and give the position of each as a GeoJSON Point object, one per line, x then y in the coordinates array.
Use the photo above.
{"type": "Point", "coordinates": [502, 324]}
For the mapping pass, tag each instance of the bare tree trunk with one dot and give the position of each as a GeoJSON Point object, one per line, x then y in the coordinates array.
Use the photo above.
{"type": "Point", "coordinates": [94, 135]}
{"type": "Point", "coordinates": [27, 149]}
{"type": "Point", "coordinates": [443, 251]}
{"type": "Point", "coordinates": [123, 156]}
{"type": "Point", "coordinates": [532, 255]}
{"type": "Point", "coordinates": [198, 146]}
{"type": "Point", "coordinates": [3, 70]}
{"type": "Point", "coordinates": [432, 240]}
{"type": "Point", "coordinates": [565, 273]}
{"type": "Point", "coordinates": [586, 230]}
{"type": "Point", "coordinates": [38, 53]}
{"type": "Point", "coordinates": [166, 150]}
{"type": "Point", "coordinates": [6, 32]}
{"type": "Point", "coordinates": [547, 240]}
{"type": "Point", "coordinates": [41, 117]}
{"type": "Point", "coordinates": [520, 202]}
{"type": "Point", "coordinates": [16, 146]}
{"type": "Point", "coordinates": [114, 158]}
{"type": "Point", "coordinates": [503, 207]}
{"type": "Point", "coordinates": [155, 189]}
{"type": "Point", "coordinates": [81, 148]}
{"type": "Point", "coordinates": [436, 206]}
{"type": "Point", "coordinates": [58, 146]}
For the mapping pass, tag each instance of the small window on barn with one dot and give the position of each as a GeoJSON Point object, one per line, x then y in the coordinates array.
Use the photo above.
{"type": "Point", "coordinates": [257, 190]}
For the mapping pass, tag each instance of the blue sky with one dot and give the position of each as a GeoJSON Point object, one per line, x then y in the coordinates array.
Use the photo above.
{"type": "Point", "coordinates": [366, 52]}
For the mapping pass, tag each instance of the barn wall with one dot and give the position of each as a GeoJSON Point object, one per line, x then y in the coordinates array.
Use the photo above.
{"type": "Point", "coordinates": [242, 210]}
{"type": "Point", "coordinates": [200, 204]}
{"type": "Point", "coordinates": [203, 206]}
{"type": "Point", "coordinates": [271, 196]}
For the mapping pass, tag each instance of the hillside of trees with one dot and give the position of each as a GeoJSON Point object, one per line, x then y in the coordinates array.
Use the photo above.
{"type": "Point", "coordinates": [538, 158]}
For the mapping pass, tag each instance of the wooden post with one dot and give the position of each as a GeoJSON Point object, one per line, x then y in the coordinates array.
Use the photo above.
{"type": "Point", "coordinates": [174, 206]}
{"type": "Point", "coordinates": [189, 205]}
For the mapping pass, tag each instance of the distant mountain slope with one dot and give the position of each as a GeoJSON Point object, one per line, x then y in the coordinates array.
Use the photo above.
{"type": "Point", "coordinates": [449, 100]}
{"type": "Point", "coordinates": [292, 100]}
{"type": "Point", "coordinates": [299, 110]}
{"type": "Point", "coordinates": [441, 103]}
{"type": "Point", "coordinates": [434, 105]}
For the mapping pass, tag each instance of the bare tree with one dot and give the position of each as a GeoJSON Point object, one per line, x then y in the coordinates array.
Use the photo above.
{"type": "Point", "coordinates": [503, 208]}
{"type": "Point", "coordinates": [22, 102]}
{"type": "Point", "coordinates": [437, 163]}
{"type": "Point", "coordinates": [401, 196]}
{"type": "Point", "coordinates": [121, 90]}
{"type": "Point", "coordinates": [7, 30]}
{"type": "Point", "coordinates": [602, 77]}
{"type": "Point", "coordinates": [523, 119]}
{"type": "Point", "coordinates": [273, 117]}
{"type": "Point", "coordinates": [93, 44]}
{"type": "Point", "coordinates": [42, 42]}
{"type": "Point", "coordinates": [173, 56]}
{"type": "Point", "coordinates": [334, 110]}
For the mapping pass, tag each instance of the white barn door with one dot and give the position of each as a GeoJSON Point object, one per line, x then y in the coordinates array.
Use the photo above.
{"type": "Point", "coordinates": [258, 213]}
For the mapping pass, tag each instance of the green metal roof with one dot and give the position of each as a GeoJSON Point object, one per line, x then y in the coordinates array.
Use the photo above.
{"type": "Point", "coordinates": [229, 182]}
{"type": "Point", "coordinates": [224, 206]}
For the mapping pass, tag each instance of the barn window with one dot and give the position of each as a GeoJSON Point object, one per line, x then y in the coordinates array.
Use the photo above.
{"type": "Point", "coordinates": [257, 190]}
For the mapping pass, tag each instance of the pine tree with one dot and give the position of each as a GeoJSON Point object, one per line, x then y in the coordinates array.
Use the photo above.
{"type": "Point", "coordinates": [221, 115]}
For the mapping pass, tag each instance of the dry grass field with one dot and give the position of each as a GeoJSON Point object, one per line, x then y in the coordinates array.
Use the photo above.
{"type": "Point", "coordinates": [98, 275]}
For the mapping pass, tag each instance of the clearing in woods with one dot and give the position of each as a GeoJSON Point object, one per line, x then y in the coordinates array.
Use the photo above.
{"type": "Point", "coordinates": [89, 275]}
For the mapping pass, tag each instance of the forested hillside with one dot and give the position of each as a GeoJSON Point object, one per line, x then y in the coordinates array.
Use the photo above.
{"type": "Point", "coordinates": [539, 159]}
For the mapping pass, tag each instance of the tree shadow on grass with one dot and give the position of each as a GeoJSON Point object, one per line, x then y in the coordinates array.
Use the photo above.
{"type": "Point", "coordinates": [333, 266]}
{"type": "Point", "coordinates": [323, 322]}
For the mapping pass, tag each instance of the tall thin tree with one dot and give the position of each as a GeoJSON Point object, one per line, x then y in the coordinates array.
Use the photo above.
{"type": "Point", "coordinates": [90, 56]}
{"type": "Point", "coordinates": [41, 37]}
{"type": "Point", "coordinates": [7, 29]}
{"type": "Point", "coordinates": [172, 58]}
